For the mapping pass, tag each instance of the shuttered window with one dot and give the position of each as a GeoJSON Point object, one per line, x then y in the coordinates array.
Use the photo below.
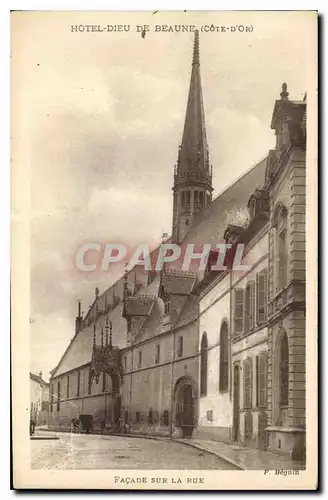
{"type": "Point", "coordinates": [261, 379]}
{"type": "Point", "coordinates": [67, 389]}
{"type": "Point", "coordinates": [239, 312]}
{"type": "Point", "coordinates": [224, 359]}
{"type": "Point", "coordinates": [261, 296]}
{"type": "Point", "coordinates": [248, 373]}
{"type": "Point", "coordinates": [249, 306]}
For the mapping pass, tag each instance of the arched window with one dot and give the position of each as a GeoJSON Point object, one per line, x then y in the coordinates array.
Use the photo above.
{"type": "Point", "coordinates": [283, 370]}
{"type": "Point", "coordinates": [203, 365]}
{"type": "Point", "coordinates": [224, 359]}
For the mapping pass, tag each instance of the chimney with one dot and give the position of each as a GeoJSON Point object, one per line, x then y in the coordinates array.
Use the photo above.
{"type": "Point", "coordinates": [40, 373]}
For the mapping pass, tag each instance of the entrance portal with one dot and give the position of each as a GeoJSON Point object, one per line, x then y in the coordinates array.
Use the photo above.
{"type": "Point", "coordinates": [185, 407]}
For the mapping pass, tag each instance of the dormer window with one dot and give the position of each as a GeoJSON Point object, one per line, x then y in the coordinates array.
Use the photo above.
{"type": "Point", "coordinates": [258, 204]}
{"type": "Point", "coordinates": [167, 301]}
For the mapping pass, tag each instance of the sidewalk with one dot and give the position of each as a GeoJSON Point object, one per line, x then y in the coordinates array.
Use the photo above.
{"type": "Point", "coordinates": [244, 458]}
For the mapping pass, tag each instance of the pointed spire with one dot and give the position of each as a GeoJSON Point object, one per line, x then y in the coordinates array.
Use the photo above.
{"type": "Point", "coordinates": [193, 157]}
{"type": "Point", "coordinates": [194, 141]}
{"type": "Point", "coordinates": [195, 57]}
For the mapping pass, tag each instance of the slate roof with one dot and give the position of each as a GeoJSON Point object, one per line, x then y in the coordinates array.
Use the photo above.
{"type": "Point", "coordinates": [209, 226]}
{"type": "Point", "coordinates": [189, 312]}
{"type": "Point", "coordinates": [139, 305]}
{"type": "Point", "coordinates": [178, 282]}
{"type": "Point", "coordinates": [79, 351]}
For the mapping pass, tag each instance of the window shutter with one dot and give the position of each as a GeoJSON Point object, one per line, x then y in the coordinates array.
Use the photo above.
{"type": "Point", "coordinates": [252, 304]}
{"type": "Point", "coordinates": [239, 312]}
{"type": "Point", "coordinates": [261, 378]}
{"type": "Point", "coordinates": [249, 306]}
{"type": "Point", "coordinates": [261, 297]}
{"type": "Point", "coordinates": [248, 383]}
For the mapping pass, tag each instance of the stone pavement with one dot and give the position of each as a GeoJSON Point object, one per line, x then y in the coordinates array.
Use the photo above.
{"type": "Point", "coordinates": [238, 456]}
{"type": "Point", "coordinates": [244, 458]}
{"type": "Point", "coordinates": [95, 451]}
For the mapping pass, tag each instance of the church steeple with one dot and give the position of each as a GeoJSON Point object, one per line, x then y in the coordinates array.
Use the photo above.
{"type": "Point", "coordinates": [192, 189]}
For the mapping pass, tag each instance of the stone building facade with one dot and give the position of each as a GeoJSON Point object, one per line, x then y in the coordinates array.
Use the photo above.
{"type": "Point", "coordinates": [221, 354]}
{"type": "Point", "coordinates": [252, 322]}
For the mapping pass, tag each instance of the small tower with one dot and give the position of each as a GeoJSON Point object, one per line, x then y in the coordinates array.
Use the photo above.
{"type": "Point", "coordinates": [192, 189]}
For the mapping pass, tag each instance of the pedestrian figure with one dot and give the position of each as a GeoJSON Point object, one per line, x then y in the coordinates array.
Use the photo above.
{"type": "Point", "coordinates": [32, 427]}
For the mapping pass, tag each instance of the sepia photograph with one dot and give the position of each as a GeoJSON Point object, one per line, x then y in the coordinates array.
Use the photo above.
{"type": "Point", "coordinates": [164, 259]}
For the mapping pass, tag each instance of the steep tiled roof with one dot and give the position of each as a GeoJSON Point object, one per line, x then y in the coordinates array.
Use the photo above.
{"type": "Point", "coordinates": [178, 282]}
{"type": "Point", "coordinates": [189, 312]}
{"type": "Point", "coordinates": [139, 305]}
{"type": "Point", "coordinates": [79, 352]}
{"type": "Point", "coordinates": [210, 224]}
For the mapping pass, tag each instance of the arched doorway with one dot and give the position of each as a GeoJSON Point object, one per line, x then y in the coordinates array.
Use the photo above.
{"type": "Point", "coordinates": [185, 407]}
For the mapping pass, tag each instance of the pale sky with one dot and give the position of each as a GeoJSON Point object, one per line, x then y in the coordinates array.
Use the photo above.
{"type": "Point", "coordinates": [102, 116]}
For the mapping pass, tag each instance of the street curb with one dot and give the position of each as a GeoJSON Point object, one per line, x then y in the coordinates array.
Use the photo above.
{"type": "Point", "coordinates": [186, 443]}
{"type": "Point", "coordinates": [211, 452]}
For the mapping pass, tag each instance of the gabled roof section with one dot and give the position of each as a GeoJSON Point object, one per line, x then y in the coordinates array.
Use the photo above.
{"type": "Point", "coordinates": [178, 282]}
{"type": "Point", "coordinates": [38, 379]}
{"type": "Point", "coordinates": [139, 305]}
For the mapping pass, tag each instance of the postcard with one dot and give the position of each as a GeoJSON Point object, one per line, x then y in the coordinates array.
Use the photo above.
{"type": "Point", "coordinates": [164, 250]}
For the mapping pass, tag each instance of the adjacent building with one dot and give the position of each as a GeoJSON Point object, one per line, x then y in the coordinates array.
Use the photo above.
{"type": "Point", "coordinates": [39, 397]}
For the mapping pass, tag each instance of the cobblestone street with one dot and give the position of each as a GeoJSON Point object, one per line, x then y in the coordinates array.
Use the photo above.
{"type": "Point", "coordinates": [81, 451]}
